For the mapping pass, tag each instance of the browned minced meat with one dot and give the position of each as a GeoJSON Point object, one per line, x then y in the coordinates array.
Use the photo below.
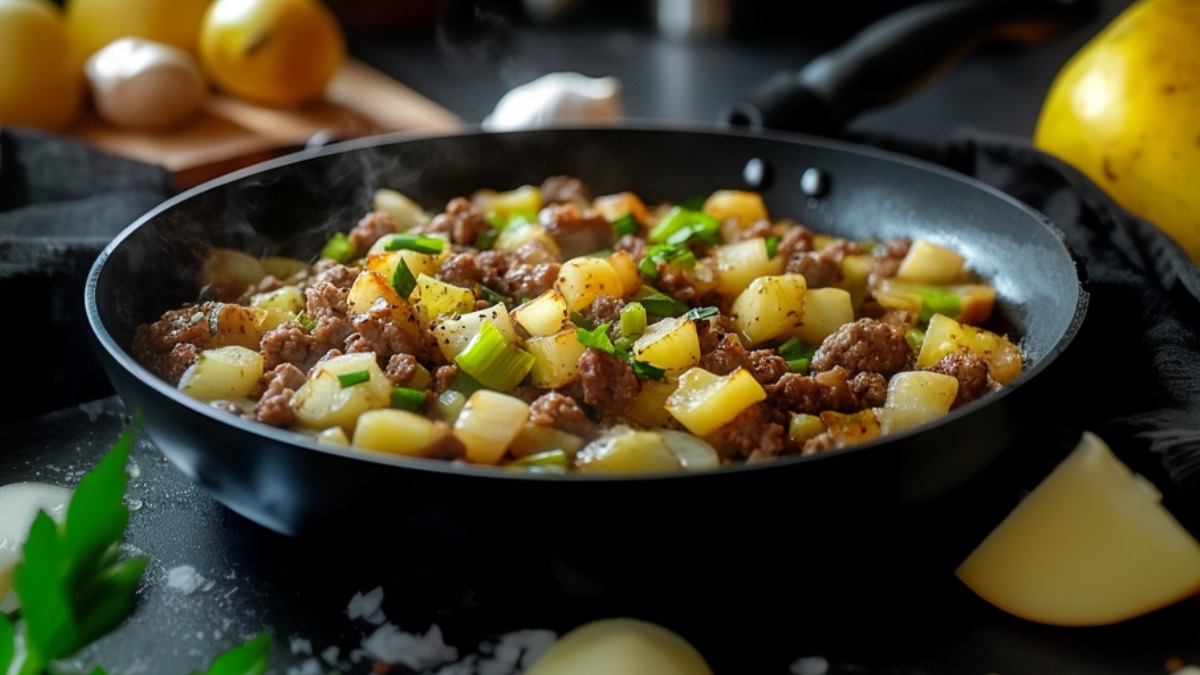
{"type": "Point", "coordinates": [379, 332]}
{"type": "Point", "coordinates": [604, 309]}
{"type": "Point", "coordinates": [460, 270]}
{"type": "Point", "coordinates": [274, 406]}
{"type": "Point", "coordinates": [553, 409]}
{"type": "Point", "coordinates": [168, 346]}
{"type": "Point", "coordinates": [731, 230]}
{"type": "Point", "coordinates": [725, 356]}
{"type": "Point", "coordinates": [327, 271]}
{"type": "Point", "coordinates": [461, 220]}
{"type": "Point", "coordinates": [369, 229]}
{"type": "Point", "coordinates": [576, 232]}
{"type": "Point", "coordinates": [265, 285]}
{"type": "Point", "coordinates": [564, 189]}
{"type": "Point", "coordinates": [288, 343]}
{"type": "Point", "coordinates": [864, 345]}
{"type": "Point", "coordinates": [676, 283]}
{"type": "Point", "coordinates": [447, 446]}
{"type": "Point", "coordinates": [887, 260]}
{"type": "Point", "coordinates": [401, 369]}
{"type": "Point", "coordinates": [492, 266]}
{"type": "Point", "coordinates": [529, 281]}
{"type": "Point", "coordinates": [819, 268]}
{"type": "Point", "coordinates": [869, 388]}
{"type": "Point", "coordinates": [767, 366]}
{"type": "Point", "coordinates": [970, 370]}
{"type": "Point", "coordinates": [632, 244]}
{"type": "Point", "coordinates": [443, 377]}
{"type": "Point", "coordinates": [609, 384]}
{"type": "Point", "coordinates": [750, 435]}
{"type": "Point", "coordinates": [812, 394]}
{"type": "Point", "coordinates": [796, 239]}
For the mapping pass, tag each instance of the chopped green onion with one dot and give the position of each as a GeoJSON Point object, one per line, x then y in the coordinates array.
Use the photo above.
{"type": "Point", "coordinates": [678, 255]}
{"type": "Point", "coordinates": [464, 384]}
{"type": "Point", "coordinates": [915, 337]}
{"type": "Point", "coordinates": [772, 246]}
{"type": "Point", "coordinates": [681, 225]}
{"type": "Point", "coordinates": [693, 203]}
{"type": "Point", "coordinates": [625, 343]}
{"type": "Point", "coordinates": [938, 301]}
{"type": "Point", "coordinates": [512, 220]}
{"type": "Point", "coordinates": [797, 354]}
{"type": "Point", "coordinates": [626, 224]}
{"type": "Point", "coordinates": [404, 398]}
{"type": "Point", "coordinates": [485, 240]}
{"type": "Point", "coordinates": [402, 280]}
{"type": "Point", "coordinates": [338, 248]}
{"type": "Point", "coordinates": [700, 313]}
{"type": "Point", "coordinates": [354, 377]}
{"type": "Point", "coordinates": [633, 319]}
{"type": "Point", "coordinates": [493, 361]}
{"type": "Point", "coordinates": [581, 321]}
{"type": "Point", "coordinates": [645, 371]}
{"type": "Point", "coordinates": [596, 338]}
{"type": "Point", "coordinates": [492, 296]}
{"type": "Point", "coordinates": [304, 320]}
{"type": "Point", "coordinates": [412, 242]}
{"type": "Point", "coordinates": [658, 303]}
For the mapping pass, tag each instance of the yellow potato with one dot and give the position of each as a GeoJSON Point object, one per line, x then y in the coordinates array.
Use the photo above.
{"type": "Point", "coordinates": [623, 646]}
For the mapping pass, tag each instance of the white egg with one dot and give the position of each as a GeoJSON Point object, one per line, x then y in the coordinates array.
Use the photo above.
{"type": "Point", "coordinates": [19, 505]}
{"type": "Point", "coordinates": [146, 85]}
{"type": "Point", "coordinates": [620, 646]}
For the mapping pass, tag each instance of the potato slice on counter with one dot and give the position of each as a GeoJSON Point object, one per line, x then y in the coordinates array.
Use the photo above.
{"type": "Point", "coordinates": [1090, 545]}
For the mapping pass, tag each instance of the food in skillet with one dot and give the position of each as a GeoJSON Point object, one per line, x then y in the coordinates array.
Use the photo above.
{"type": "Point", "coordinates": [545, 329]}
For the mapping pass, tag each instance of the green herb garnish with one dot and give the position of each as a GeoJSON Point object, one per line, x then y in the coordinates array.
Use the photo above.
{"type": "Point", "coordinates": [678, 255]}
{"type": "Point", "coordinates": [338, 248]}
{"type": "Point", "coordinates": [403, 280]}
{"type": "Point", "coordinates": [493, 361]}
{"type": "Point", "coordinates": [701, 313]}
{"type": "Point", "coordinates": [660, 304]}
{"type": "Point", "coordinates": [681, 225]}
{"type": "Point", "coordinates": [626, 224]}
{"type": "Point", "coordinates": [354, 377]}
{"type": "Point", "coordinates": [772, 246]}
{"type": "Point", "coordinates": [412, 242]}
{"type": "Point", "coordinates": [596, 338]}
{"type": "Point", "coordinates": [797, 354]}
{"type": "Point", "coordinates": [404, 398]}
{"type": "Point", "coordinates": [633, 319]}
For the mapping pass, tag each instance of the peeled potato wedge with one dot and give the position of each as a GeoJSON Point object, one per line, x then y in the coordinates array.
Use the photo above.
{"type": "Point", "coordinates": [1090, 545]}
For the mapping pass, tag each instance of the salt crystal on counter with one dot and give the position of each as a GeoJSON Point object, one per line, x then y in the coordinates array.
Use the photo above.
{"type": "Point", "coordinates": [187, 580]}
{"type": "Point", "coordinates": [391, 645]}
{"type": "Point", "coordinates": [810, 665]}
{"type": "Point", "coordinates": [367, 607]}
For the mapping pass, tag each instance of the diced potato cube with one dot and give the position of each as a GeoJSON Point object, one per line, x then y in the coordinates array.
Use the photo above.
{"type": "Point", "coordinates": [556, 359]}
{"type": "Point", "coordinates": [649, 406]}
{"type": "Point", "coordinates": [334, 435]}
{"type": "Point", "coordinates": [514, 237]}
{"type": "Point", "coordinates": [286, 298]}
{"type": "Point", "coordinates": [851, 428]}
{"type": "Point", "coordinates": [454, 333]}
{"type": "Point", "coordinates": [804, 426]}
{"type": "Point", "coordinates": [945, 335]}
{"type": "Point", "coordinates": [324, 401]}
{"type": "Point", "coordinates": [741, 262]}
{"type": "Point", "coordinates": [626, 451]}
{"type": "Point", "coordinates": [671, 344]}
{"type": "Point", "coordinates": [743, 206]}
{"type": "Point", "coordinates": [229, 271]}
{"type": "Point", "coordinates": [627, 271]}
{"type": "Point", "coordinates": [222, 373]}
{"type": "Point", "coordinates": [704, 402]}
{"type": "Point", "coordinates": [582, 280]}
{"type": "Point", "coordinates": [695, 454]}
{"type": "Point", "coordinates": [856, 271]}
{"type": "Point", "coordinates": [533, 439]}
{"type": "Point", "coordinates": [825, 310]}
{"type": "Point", "coordinates": [395, 431]}
{"type": "Point", "coordinates": [381, 260]}
{"type": "Point", "coordinates": [616, 206]}
{"type": "Point", "coordinates": [230, 324]}
{"type": "Point", "coordinates": [770, 307]}
{"type": "Point", "coordinates": [928, 263]}
{"type": "Point", "coordinates": [965, 303]}
{"type": "Point", "coordinates": [405, 212]}
{"type": "Point", "coordinates": [369, 288]}
{"type": "Point", "coordinates": [544, 315]}
{"type": "Point", "coordinates": [488, 424]}
{"type": "Point", "coordinates": [915, 397]}
{"type": "Point", "coordinates": [282, 267]}
{"type": "Point", "coordinates": [436, 298]}
{"type": "Point", "coordinates": [525, 199]}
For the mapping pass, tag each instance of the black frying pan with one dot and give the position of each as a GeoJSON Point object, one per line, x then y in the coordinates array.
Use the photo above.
{"type": "Point", "coordinates": [290, 206]}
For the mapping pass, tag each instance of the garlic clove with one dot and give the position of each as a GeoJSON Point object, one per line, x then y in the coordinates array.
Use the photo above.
{"type": "Point", "coordinates": [556, 98]}
{"type": "Point", "coordinates": [144, 85]}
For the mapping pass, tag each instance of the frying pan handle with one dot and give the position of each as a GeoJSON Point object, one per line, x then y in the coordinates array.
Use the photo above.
{"type": "Point", "coordinates": [893, 57]}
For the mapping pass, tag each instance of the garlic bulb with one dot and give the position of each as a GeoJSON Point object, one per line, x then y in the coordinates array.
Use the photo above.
{"type": "Point", "coordinates": [141, 84]}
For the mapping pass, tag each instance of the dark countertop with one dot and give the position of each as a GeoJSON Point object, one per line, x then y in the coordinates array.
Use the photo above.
{"type": "Point", "coordinates": [215, 578]}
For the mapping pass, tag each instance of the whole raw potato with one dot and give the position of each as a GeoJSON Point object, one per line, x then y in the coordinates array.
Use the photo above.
{"type": "Point", "coordinates": [1125, 110]}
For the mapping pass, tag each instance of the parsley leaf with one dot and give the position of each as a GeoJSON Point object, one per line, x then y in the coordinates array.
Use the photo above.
{"type": "Point", "coordinates": [249, 658]}
{"type": "Point", "coordinates": [74, 583]}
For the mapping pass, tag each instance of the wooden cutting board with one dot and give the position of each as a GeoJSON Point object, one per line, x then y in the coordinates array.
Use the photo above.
{"type": "Point", "coordinates": [230, 133]}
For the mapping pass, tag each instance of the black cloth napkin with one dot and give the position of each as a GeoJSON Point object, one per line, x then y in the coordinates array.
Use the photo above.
{"type": "Point", "coordinates": [1132, 374]}
{"type": "Point", "coordinates": [61, 202]}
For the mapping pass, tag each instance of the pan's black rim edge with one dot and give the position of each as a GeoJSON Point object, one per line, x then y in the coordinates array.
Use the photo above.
{"type": "Point", "coordinates": [289, 438]}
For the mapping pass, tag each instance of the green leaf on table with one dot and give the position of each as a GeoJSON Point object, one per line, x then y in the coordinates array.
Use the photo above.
{"type": "Point", "coordinates": [74, 583]}
{"type": "Point", "coordinates": [249, 658]}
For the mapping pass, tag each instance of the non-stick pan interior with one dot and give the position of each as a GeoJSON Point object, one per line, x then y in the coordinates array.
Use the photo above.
{"type": "Point", "coordinates": [291, 206]}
